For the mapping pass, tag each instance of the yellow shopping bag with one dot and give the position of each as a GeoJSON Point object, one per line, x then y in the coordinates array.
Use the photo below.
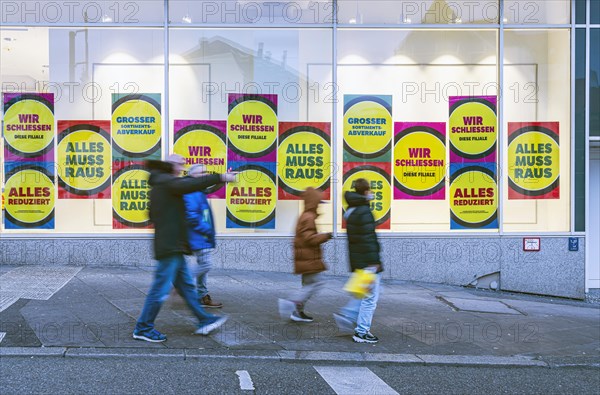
{"type": "Point", "coordinates": [360, 282]}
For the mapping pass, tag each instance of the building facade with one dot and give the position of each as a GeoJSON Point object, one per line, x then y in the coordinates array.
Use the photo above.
{"type": "Point", "coordinates": [477, 123]}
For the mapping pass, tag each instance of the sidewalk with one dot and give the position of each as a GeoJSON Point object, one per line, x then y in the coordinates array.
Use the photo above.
{"type": "Point", "coordinates": [69, 309]}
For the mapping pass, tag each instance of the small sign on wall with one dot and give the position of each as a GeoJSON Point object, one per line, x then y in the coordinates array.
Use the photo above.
{"type": "Point", "coordinates": [531, 244]}
{"type": "Point", "coordinates": [573, 244]}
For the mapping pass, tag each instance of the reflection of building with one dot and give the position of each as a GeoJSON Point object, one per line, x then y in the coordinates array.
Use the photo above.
{"type": "Point", "coordinates": [377, 47]}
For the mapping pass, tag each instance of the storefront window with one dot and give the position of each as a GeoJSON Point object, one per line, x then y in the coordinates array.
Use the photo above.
{"type": "Point", "coordinates": [208, 66]}
{"type": "Point", "coordinates": [254, 13]}
{"type": "Point", "coordinates": [405, 12]}
{"type": "Point", "coordinates": [122, 12]}
{"type": "Point", "coordinates": [419, 71]}
{"type": "Point", "coordinates": [536, 99]}
{"type": "Point", "coordinates": [534, 12]}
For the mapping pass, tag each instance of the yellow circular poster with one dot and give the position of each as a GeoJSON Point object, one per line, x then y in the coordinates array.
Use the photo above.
{"type": "Point", "coordinates": [367, 127]}
{"type": "Point", "coordinates": [130, 196]}
{"type": "Point", "coordinates": [473, 129]}
{"type": "Point", "coordinates": [252, 199]}
{"type": "Point", "coordinates": [380, 187]}
{"type": "Point", "coordinates": [304, 157]}
{"type": "Point", "coordinates": [29, 125]}
{"type": "Point", "coordinates": [534, 162]}
{"type": "Point", "coordinates": [84, 160]}
{"type": "Point", "coordinates": [29, 197]}
{"type": "Point", "coordinates": [419, 163]}
{"type": "Point", "coordinates": [252, 126]}
{"type": "Point", "coordinates": [136, 126]}
{"type": "Point", "coordinates": [473, 197]}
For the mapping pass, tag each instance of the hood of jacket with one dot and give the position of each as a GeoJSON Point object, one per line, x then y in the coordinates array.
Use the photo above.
{"type": "Point", "coordinates": [312, 198]}
{"type": "Point", "coordinates": [158, 169]}
{"type": "Point", "coordinates": [355, 199]}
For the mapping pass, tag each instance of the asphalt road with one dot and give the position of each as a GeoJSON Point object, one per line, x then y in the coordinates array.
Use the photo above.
{"type": "Point", "coordinates": [119, 375]}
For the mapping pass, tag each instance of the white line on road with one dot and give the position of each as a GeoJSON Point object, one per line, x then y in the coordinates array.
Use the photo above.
{"type": "Point", "coordinates": [353, 380]}
{"type": "Point", "coordinates": [2, 334]}
{"type": "Point", "coordinates": [245, 380]}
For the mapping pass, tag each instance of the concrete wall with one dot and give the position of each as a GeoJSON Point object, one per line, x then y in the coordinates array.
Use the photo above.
{"type": "Point", "coordinates": [554, 270]}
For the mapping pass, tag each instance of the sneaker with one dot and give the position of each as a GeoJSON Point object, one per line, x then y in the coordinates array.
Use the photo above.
{"type": "Point", "coordinates": [206, 301]}
{"type": "Point", "coordinates": [364, 338]}
{"type": "Point", "coordinates": [344, 324]}
{"type": "Point", "coordinates": [206, 329]}
{"type": "Point", "coordinates": [152, 336]}
{"type": "Point", "coordinates": [299, 316]}
{"type": "Point", "coordinates": [286, 308]}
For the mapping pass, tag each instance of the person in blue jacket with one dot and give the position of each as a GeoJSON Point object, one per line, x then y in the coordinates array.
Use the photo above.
{"type": "Point", "coordinates": [201, 234]}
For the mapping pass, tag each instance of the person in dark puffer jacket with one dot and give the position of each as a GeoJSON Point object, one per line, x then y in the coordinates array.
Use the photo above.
{"type": "Point", "coordinates": [167, 213]}
{"type": "Point", "coordinates": [364, 252]}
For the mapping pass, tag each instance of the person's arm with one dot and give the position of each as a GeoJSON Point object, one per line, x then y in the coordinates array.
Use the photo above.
{"type": "Point", "coordinates": [183, 185]}
{"type": "Point", "coordinates": [308, 232]}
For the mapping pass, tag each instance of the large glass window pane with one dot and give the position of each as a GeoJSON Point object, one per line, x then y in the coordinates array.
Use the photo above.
{"type": "Point", "coordinates": [126, 12]}
{"type": "Point", "coordinates": [530, 12]}
{"type": "Point", "coordinates": [206, 65]}
{"type": "Point", "coordinates": [82, 68]}
{"type": "Point", "coordinates": [537, 89]}
{"type": "Point", "coordinates": [420, 70]}
{"type": "Point", "coordinates": [249, 12]}
{"type": "Point", "coordinates": [594, 11]}
{"type": "Point", "coordinates": [417, 12]}
{"type": "Point", "coordinates": [580, 10]}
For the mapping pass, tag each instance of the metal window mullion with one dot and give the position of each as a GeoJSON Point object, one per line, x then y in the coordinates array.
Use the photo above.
{"type": "Point", "coordinates": [587, 141]}
{"type": "Point", "coordinates": [500, 110]}
{"type": "Point", "coordinates": [334, 174]}
{"type": "Point", "coordinates": [573, 53]}
{"type": "Point", "coordinates": [166, 131]}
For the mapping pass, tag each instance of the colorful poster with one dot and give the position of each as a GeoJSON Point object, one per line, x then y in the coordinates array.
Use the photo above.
{"type": "Point", "coordinates": [420, 160]}
{"type": "Point", "coordinates": [130, 196]}
{"type": "Point", "coordinates": [252, 127]}
{"type": "Point", "coordinates": [136, 126]}
{"type": "Point", "coordinates": [29, 195]}
{"type": "Point", "coordinates": [473, 196]}
{"type": "Point", "coordinates": [28, 127]}
{"type": "Point", "coordinates": [304, 158]}
{"type": "Point", "coordinates": [473, 129]}
{"type": "Point", "coordinates": [533, 160]}
{"type": "Point", "coordinates": [84, 159]}
{"type": "Point", "coordinates": [378, 174]}
{"type": "Point", "coordinates": [203, 142]}
{"type": "Point", "coordinates": [251, 201]}
{"type": "Point", "coordinates": [367, 128]}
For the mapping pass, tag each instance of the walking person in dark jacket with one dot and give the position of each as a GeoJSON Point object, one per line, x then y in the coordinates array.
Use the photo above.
{"type": "Point", "coordinates": [364, 254]}
{"type": "Point", "coordinates": [308, 258]}
{"type": "Point", "coordinates": [167, 213]}
{"type": "Point", "coordinates": [201, 232]}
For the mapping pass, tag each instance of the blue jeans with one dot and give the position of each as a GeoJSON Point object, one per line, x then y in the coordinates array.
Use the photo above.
{"type": "Point", "coordinates": [361, 310]}
{"type": "Point", "coordinates": [171, 271]}
{"type": "Point", "coordinates": [203, 266]}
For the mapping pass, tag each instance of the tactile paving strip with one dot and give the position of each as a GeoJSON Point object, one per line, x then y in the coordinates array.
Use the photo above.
{"type": "Point", "coordinates": [33, 282]}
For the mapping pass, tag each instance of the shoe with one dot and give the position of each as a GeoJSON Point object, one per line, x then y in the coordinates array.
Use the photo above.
{"type": "Point", "coordinates": [364, 338]}
{"type": "Point", "coordinates": [299, 316]}
{"type": "Point", "coordinates": [206, 301]}
{"type": "Point", "coordinates": [152, 336]}
{"type": "Point", "coordinates": [344, 324]}
{"type": "Point", "coordinates": [206, 329]}
{"type": "Point", "coordinates": [286, 308]}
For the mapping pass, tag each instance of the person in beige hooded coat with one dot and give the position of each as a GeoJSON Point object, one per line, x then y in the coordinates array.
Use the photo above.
{"type": "Point", "coordinates": [308, 257]}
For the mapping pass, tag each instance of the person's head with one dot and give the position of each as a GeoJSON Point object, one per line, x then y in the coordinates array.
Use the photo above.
{"type": "Point", "coordinates": [362, 186]}
{"type": "Point", "coordinates": [177, 161]}
{"type": "Point", "coordinates": [197, 170]}
{"type": "Point", "coordinates": [312, 197]}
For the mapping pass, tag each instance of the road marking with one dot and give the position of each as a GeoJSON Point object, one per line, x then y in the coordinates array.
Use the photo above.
{"type": "Point", "coordinates": [2, 334]}
{"type": "Point", "coordinates": [245, 380]}
{"type": "Point", "coordinates": [354, 380]}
